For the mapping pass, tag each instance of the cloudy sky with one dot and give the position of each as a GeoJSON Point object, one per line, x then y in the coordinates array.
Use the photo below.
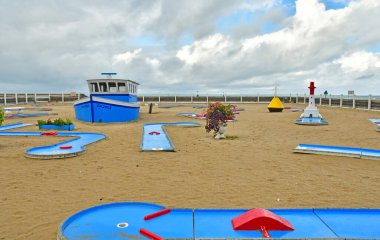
{"type": "Point", "coordinates": [171, 46]}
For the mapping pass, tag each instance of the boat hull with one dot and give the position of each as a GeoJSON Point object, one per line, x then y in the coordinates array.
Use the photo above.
{"type": "Point", "coordinates": [96, 109]}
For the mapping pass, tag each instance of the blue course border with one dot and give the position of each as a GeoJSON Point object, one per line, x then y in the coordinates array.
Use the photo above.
{"type": "Point", "coordinates": [338, 151]}
{"type": "Point", "coordinates": [102, 222]}
{"type": "Point", "coordinates": [54, 151]}
{"type": "Point", "coordinates": [160, 142]}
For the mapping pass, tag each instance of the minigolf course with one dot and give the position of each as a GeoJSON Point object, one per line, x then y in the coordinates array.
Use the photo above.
{"type": "Point", "coordinates": [134, 220]}
{"type": "Point", "coordinates": [155, 138]}
{"type": "Point", "coordinates": [65, 149]}
{"type": "Point", "coordinates": [338, 151]}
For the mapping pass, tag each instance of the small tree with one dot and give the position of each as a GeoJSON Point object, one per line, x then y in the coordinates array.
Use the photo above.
{"type": "Point", "coordinates": [217, 114]}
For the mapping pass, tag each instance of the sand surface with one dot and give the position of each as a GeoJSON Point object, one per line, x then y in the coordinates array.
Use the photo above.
{"type": "Point", "coordinates": [256, 170]}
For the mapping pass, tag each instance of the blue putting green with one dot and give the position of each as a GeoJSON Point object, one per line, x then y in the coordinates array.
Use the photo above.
{"type": "Point", "coordinates": [155, 138]}
{"type": "Point", "coordinates": [124, 220]}
{"type": "Point", "coordinates": [338, 151]}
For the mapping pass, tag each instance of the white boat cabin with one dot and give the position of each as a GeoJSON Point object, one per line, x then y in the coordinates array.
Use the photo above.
{"type": "Point", "coordinates": [112, 86]}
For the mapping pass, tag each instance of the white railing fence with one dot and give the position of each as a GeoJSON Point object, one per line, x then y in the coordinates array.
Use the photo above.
{"type": "Point", "coordinates": [361, 102]}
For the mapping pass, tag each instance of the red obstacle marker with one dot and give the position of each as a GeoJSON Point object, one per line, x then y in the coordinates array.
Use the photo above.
{"type": "Point", "coordinates": [150, 235]}
{"type": "Point", "coordinates": [154, 133]}
{"type": "Point", "coordinates": [261, 219]}
{"type": "Point", "coordinates": [65, 147]}
{"type": "Point", "coordinates": [49, 134]}
{"type": "Point", "coordinates": [157, 214]}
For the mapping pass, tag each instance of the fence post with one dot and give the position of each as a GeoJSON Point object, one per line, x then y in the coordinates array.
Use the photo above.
{"type": "Point", "coordinates": [78, 96]}
{"type": "Point", "coordinates": [49, 97]}
{"type": "Point", "coordinates": [225, 98]}
{"type": "Point", "coordinates": [5, 99]}
{"type": "Point", "coordinates": [353, 102]}
{"type": "Point", "coordinates": [290, 97]}
{"type": "Point", "coordinates": [258, 98]}
{"type": "Point", "coordinates": [26, 98]}
{"type": "Point", "coordinates": [16, 98]}
{"type": "Point", "coordinates": [35, 97]}
{"type": "Point", "coordinates": [241, 99]}
{"type": "Point", "coordinates": [320, 99]}
{"type": "Point", "coordinates": [207, 99]}
{"type": "Point", "coordinates": [369, 102]}
{"type": "Point", "coordinates": [297, 98]}
{"type": "Point", "coordinates": [175, 98]}
{"type": "Point", "coordinates": [341, 100]}
{"type": "Point", "coordinates": [63, 97]}
{"type": "Point", "coordinates": [159, 98]}
{"type": "Point", "coordinates": [330, 100]}
{"type": "Point", "coordinates": [143, 99]}
{"type": "Point", "coordinates": [304, 98]}
{"type": "Point", "coordinates": [191, 98]}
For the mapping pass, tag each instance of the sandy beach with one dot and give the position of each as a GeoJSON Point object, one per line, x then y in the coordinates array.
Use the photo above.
{"type": "Point", "coordinates": [258, 169]}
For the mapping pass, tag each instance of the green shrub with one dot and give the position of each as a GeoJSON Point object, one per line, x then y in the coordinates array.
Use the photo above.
{"type": "Point", "coordinates": [1, 116]}
{"type": "Point", "coordinates": [57, 122]}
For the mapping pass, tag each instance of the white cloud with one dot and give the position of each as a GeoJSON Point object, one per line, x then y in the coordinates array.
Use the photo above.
{"type": "Point", "coordinates": [359, 62]}
{"type": "Point", "coordinates": [205, 50]}
{"type": "Point", "coordinates": [126, 57]}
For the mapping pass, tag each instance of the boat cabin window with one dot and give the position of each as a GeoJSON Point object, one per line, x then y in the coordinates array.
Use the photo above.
{"type": "Point", "coordinates": [112, 86]}
{"type": "Point", "coordinates": [94, 87]}
{"type": "Point", "coordinates": [103, 87]}
{"type": "Point", "coordinates": [121, 87]}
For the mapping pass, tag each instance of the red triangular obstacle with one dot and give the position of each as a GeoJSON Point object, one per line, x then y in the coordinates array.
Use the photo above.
{"type": "Point", "coordinates": [257, 218]}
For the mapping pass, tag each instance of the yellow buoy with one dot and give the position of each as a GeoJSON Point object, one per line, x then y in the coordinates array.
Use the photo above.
{"type": "Point", "coordinates": [275, 105]}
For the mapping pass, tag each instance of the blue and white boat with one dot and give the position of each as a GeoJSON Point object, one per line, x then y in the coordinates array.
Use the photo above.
{"type": "Point", "coordinates": [111, 100]}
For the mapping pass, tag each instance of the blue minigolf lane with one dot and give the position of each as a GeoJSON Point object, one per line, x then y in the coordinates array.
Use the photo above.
{"type": "Point", "coordinates": [161, 141]}
{"type": "Point", "coordinates": [103, 222]}
{"type": "Point", "coordinates": [210, 223]}
{"type": "Point", "coordinates": [187, 114]}
{"type": "Point", "coordinates": [352, 223]}
{"type": "Point", "coordinates": [54, 151]}
{"type": "Point", "coordinates": [15, 125]}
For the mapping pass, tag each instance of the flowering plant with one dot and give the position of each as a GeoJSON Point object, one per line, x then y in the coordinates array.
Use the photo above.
{"type": "Point", "coordinates": [57, 122]}
{"type": "Point", "coordinates": [1, 116]}
{"type": "Point", "coordinates": [217, 114]}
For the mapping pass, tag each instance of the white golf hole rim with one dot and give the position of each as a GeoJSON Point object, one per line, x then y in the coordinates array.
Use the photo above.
{"type": "Point", "coordinates": [122, 225]}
